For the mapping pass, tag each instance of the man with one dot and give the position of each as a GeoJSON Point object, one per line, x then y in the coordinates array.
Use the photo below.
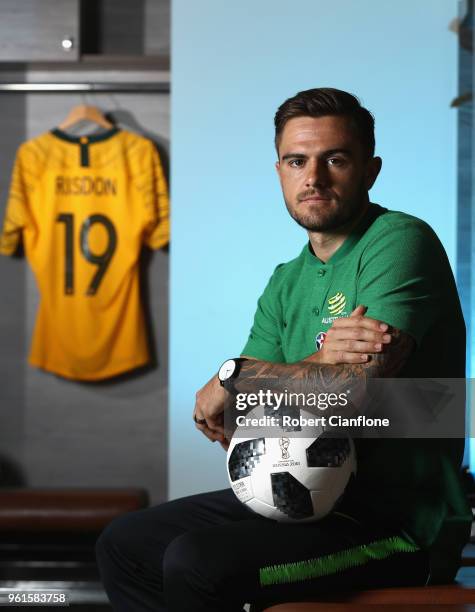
{"type": "Point", "coordinates": [404, 520]}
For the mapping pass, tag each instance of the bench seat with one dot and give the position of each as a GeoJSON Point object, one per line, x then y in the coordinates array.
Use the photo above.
{"type": "Point", "coordinates": [65, 510]}
{"type": "Point", "coordinates": [459, 596]}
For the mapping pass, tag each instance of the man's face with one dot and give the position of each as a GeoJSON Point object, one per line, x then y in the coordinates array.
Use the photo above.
{"type": "Point", "coordinates": [324, 172]}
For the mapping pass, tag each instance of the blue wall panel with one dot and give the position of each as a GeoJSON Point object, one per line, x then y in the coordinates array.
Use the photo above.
{"type": "Point", "coordinates": [233, 64]}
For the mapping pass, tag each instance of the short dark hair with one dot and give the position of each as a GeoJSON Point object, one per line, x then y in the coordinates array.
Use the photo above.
{"type": "Point", "coordinates": [324, 101]}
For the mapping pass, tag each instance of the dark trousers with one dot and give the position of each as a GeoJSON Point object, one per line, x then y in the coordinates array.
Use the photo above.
{"type": "Point", "coordinates": [208, 552]}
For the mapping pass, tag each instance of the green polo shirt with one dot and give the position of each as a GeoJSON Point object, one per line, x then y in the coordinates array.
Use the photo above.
{"type": "Point", "coordinates": [394, 264]}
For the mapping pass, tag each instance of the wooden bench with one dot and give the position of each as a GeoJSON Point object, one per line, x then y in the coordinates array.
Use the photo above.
{"type": "Point", "coordinates": [457, 597]}
{"type": "Point", "coordinates": [47, 537]}
{"type": "Point", "coordinates": [65, 510]}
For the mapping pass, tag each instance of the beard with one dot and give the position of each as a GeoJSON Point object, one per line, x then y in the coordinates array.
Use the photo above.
{"type": "Point", "coordinates": [328, 215]}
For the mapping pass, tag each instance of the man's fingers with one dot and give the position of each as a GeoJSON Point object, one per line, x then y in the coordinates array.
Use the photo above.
{"type": "Point", "coordinates": [210, 434]}
{"type": "Point", "coordinates": [345, 357]}
{"type": "Point", "coordinates": [199, 420]}
{"type": "Point", "coordinates": [215, 424]}
{"type": "Point", "coordinates": [357, 346]}
{"type": "Point", "coordinates": [361, 321]}
{"type": "Point", "coordinates": [359, 311]}
{"type": "Point", "coordinates": [217, 430]}
{"type": "Point", "coordinates": [349, 334]}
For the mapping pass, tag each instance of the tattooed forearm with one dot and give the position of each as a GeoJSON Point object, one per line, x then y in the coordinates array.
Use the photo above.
{"type": "Point", "coordinates": [297, 377]}
{"type": "Point", "coordinates": [308, 377]}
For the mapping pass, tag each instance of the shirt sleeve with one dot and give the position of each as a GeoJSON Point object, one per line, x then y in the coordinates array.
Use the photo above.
{"type": "Point", "coordinates": [264, 340]}
{"type": "Point", "coordinates": [402, 276]}
{"type": "Point", "coordinates": [157, 230]}
{"type": "Point", "coordinates": [17, 210]}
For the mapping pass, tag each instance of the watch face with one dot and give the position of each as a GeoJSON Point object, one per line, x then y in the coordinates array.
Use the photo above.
{"type": "Point", "coordinates": [226, 370]}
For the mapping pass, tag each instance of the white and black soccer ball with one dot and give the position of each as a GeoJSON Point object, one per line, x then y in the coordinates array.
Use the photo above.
{"type": "Point", "coordinates": [291, 478]}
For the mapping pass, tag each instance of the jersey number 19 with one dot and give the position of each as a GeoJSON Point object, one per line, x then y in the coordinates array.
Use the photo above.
{"type": "Point", "coordinates": [101, 260]}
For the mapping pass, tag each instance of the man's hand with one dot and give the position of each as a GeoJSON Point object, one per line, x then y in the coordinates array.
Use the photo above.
{"type": "Point", "coordinates": [209, 410]}
{"type": "Point", "coordinates": [352, 340]}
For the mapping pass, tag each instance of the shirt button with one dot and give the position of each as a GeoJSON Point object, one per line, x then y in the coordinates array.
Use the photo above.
{"type": "Point", "coordinates": [321, 272]}
{"type": "Point", "coordinates": [316, 311]}
{"type": "Point", "coordinates": [84, 140]}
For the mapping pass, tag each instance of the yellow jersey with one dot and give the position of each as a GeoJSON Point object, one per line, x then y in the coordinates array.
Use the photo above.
{"type": "Point", "coordinates": [84, 206]}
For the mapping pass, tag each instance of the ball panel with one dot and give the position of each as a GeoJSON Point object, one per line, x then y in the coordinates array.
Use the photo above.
{"type": "Point", "coordinates": [322, 502]}
{"type": "Point", "coordinates": [243, 489]}
{"type": "Point", "coordinates": [328, 451]}
{"type": "Point", "coordinates": [291, 496]}
{"type": "Point", "coordinates": [244, 458]}
{"type": "Point", "coordinates": [320, 479]}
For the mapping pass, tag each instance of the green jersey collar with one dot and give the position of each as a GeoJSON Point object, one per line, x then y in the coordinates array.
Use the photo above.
{"type": "Point", "coordinates": [85, 139]}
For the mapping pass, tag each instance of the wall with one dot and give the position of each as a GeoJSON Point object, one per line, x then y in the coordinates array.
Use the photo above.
{"type": "Point", "coordinates": [233, 64]}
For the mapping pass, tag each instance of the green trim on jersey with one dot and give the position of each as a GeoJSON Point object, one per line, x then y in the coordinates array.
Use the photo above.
{"type": "Point", "coordinates": [91, 138]}
{"type": "Point", "coordinates": [84, 141]}
{"type": "Point", "coordinates": [84, 148]}
{"type": "Point", "coordinates": [335, 563]}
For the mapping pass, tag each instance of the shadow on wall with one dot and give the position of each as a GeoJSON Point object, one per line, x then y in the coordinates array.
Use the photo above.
{"type": "Point", "coordinates": [11, 475]}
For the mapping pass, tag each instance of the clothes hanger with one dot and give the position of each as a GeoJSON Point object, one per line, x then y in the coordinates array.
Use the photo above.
{"type": "Point", "coordinates": [84, 112]}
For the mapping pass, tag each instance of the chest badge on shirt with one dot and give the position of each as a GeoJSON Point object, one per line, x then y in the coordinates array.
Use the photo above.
{"type": "Point", "coordinates": [319, 340]}
{"type": "Point", "coordinates": [336, 304]}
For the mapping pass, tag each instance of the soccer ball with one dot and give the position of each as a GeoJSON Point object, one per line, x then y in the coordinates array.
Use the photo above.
{"type": "Point", "coordinates": [290, 478]}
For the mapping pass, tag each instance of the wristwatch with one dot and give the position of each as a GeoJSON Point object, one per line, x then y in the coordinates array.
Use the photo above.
{"type": "Point", "coordinates": [228, 372]}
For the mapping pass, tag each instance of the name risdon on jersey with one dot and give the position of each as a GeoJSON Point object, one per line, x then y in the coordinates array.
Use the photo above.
{"type": "Point", "coordinates": [85, 185]}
